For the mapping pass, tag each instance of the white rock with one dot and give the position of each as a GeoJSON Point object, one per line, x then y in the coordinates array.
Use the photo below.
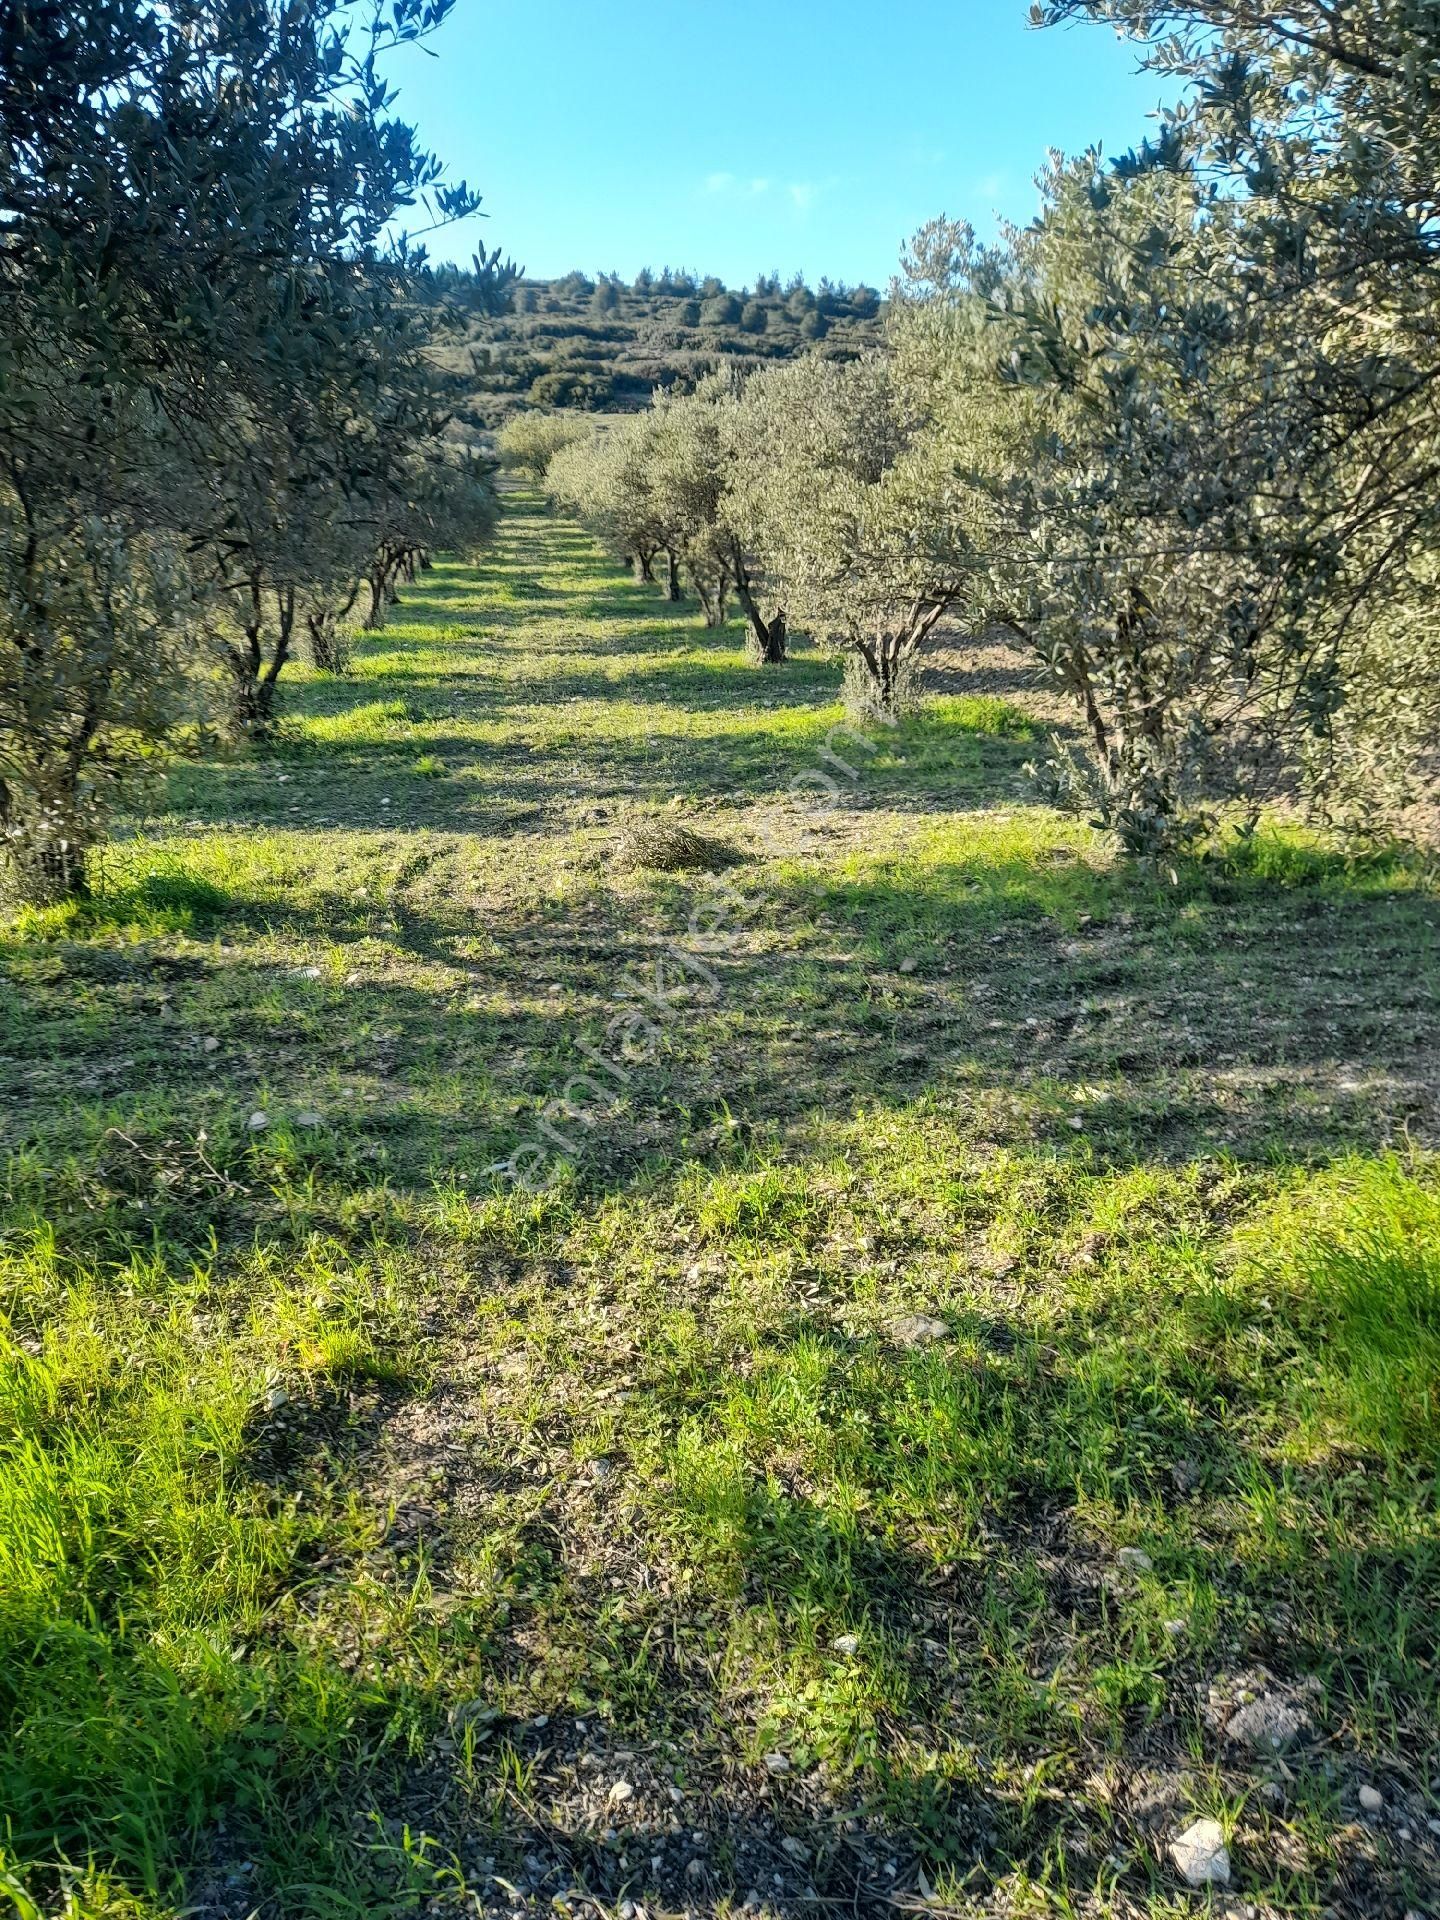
{"type": "Point", "coordinates": [258, 1122]}
{"type": "Point", "coordinates": [1267, 1723]}
{"type": "Point", "coordinates": [918, 1329]}
{"type": "Point", "coordinates": [211, 1044]}
{"type": "Point", "coordinates": [847, 1643]}
{"type": "Point", "coordinates": [907, 966]}
{"type": "Point", "coordinates": [1134, 1560]}
{"type": "Point", "coordinates": [1201, 1855]}
{"type": "Point", "coordinates": [620, 1792]}
{"type": "Point", "coordinates": [1371, 1799]}
{"type": "Point", "coordinates": [777, 1762]}
{"type": "Point", "coordinates": [309, 1119]}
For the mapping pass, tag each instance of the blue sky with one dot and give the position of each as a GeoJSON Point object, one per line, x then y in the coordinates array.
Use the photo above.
{"type": "Point", "coordinates": [810, 135]}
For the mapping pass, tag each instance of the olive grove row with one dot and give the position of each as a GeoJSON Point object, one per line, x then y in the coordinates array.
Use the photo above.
{"type": "Point", "coordinates": [1179, 439]}
{"type": "Point", "coordinates": [220, 428]}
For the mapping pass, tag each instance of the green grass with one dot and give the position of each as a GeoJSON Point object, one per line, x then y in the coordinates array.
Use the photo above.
{"type": "Point", "coordinates": [975, 1210]}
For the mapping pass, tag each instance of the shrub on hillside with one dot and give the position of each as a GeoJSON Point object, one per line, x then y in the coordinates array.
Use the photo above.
{"type": "Point", "coordinates": [722, 310]}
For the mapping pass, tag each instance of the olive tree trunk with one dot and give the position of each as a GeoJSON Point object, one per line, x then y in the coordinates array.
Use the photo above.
{"type": "Point", "coordinates": [770, 636]}
{"type": "Point", "coordinates": [886, 661]}
{"type": "Point", "coordinates": [712, 597]}
{"type": "Point", "coordinates": [46, 854]}
{"type": "Point", "coordinates": [255, 671]}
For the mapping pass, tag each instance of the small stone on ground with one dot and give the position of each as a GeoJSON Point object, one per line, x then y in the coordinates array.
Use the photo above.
{"type": "Point", "coordinates": [917, 1329]}
{"type": "Point", "coordinates": [1201, 1855]}
{"type": "Point", "coordinates": [1267, 1723]}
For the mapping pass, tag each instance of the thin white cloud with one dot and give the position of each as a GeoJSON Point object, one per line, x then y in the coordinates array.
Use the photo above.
{"type": "Point", "coordinates": [803, 193]}
{"type": "Point", "coordinates": [731, 186]}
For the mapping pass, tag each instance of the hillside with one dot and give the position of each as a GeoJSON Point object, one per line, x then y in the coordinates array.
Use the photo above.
{"type": "Point", "coordinates": [603, 344]}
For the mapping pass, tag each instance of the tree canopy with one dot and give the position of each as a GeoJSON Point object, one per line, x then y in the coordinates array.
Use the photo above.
{"type": "Point", "coordinates": [213, 361]}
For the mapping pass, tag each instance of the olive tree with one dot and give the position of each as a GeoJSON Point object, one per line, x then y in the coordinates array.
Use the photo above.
{"type": "Point", "coordinates": [605, 480]}
{"type": "Point", "coordinates": [440, 500]}
{"type": "Point", "coordinates": [195, 206]}
{"type": "Point", "coordinates": [529, 441]}
{"type": "Point", "coordinates": [1089, 381]}
{"type": "Point", "coordinates": [1312, 133]}
{"type": "Point", "coordinates": [860, 525]}
{"type": "Point", "coordinates": [745, 447]}
{"type": "Point", "coordinates": [703, 445]}
{"type": "Point", "coordinates": [91, 615]}
{"type": "Point", "coordinates": [286, 560]}
{"type": "Point", "coordinates": [686, 472]}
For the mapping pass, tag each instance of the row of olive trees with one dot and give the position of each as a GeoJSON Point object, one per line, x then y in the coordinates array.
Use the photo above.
{"type": "Point", "coordinates": [808, 492]}
{"type": "Point", "coordinates": [1179, 439]}
{"type": "Point", "coordinates": [218, 417]}
{"type": "Point", "coordinates": [1203, 395]}
{"type": "Point", "coordinates": [1200, 400]}
{"type": "Point", "coordinates": [660, 488]}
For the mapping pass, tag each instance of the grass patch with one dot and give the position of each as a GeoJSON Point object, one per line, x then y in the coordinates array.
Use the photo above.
{"type": "Point", "coordinates": [982, 1329]}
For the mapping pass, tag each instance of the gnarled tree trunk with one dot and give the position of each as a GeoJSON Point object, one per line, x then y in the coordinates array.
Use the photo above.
{"type": "Point", "coordinates": [327, 649]}
{"type": "Point", "coordinates": [252, 716]}
{"type": "Point", "coordinates": [45, 854]}
{"type": "Point", "coordinates": [886, 659]}
{"type": "Point", "coordinates": [378, 581]}
{"type": "Point", "coordinates": [329, 646]}
{"type": "Point", "coordinates": [711, 596]}
{"type": "Point", "coordinates": [770, 636]}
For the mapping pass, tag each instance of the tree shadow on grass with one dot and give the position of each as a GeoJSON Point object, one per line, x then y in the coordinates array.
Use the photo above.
{"type": "Point", "coordinates": [928, 1738]}
{"type": "Point", "coordinates": [693, 679]}
{"type": "Point", "coordinates": [809, 1565]}
{"type": "Point", "coordinates": [947, 1730]}
{"type": "Point", "coordinates": [1051, 1009]}
{"type": "Point", "coordinates": [932, 768]}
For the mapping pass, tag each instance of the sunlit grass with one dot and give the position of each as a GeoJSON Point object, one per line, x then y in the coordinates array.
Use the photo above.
{"type": "Point", "coordinates": [997, 1210]}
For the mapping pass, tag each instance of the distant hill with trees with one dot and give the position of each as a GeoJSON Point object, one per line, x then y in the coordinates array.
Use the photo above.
{"type": "Point", "coordinates": [599, 343]}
